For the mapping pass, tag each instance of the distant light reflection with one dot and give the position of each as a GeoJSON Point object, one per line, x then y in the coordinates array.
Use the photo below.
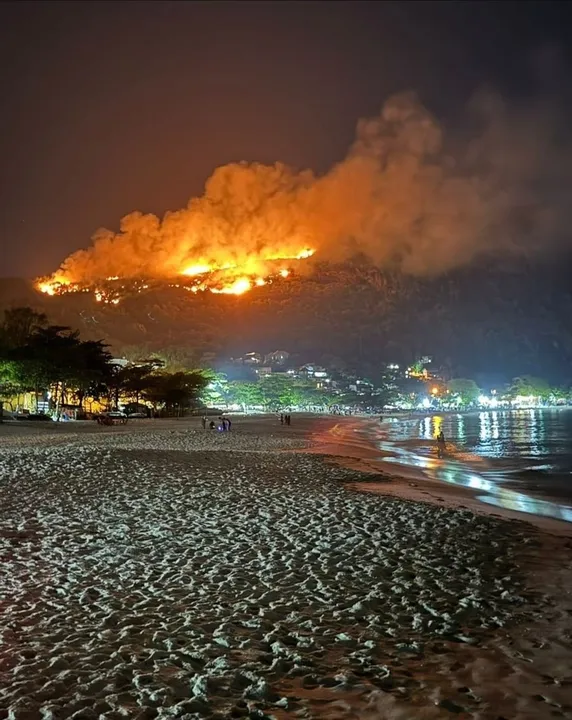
{"type": "Point", "coordinates": [523, 503]}
{"type": "Point", "coordinates": [495, 424]}
{"type": "Point", "coordinates": [461, 428]}
{"type": "Point", "coordinates": [533, 432]}
{"type": "Point", "coordinates": [484, 426]}
{"type": "Point", "coordinates": [425, 429]}
{"type": "Point", "coordinates": [490, 451]}
{"type": "Point", "coordinates": [455, 473]}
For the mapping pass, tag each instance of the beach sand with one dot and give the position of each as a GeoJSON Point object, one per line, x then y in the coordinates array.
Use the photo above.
{"type": "Point", "coordinates": [158, 570]}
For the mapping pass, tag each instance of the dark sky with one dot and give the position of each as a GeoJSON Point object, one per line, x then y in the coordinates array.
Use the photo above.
{"type": "Point", "coordinates": [110, 107]}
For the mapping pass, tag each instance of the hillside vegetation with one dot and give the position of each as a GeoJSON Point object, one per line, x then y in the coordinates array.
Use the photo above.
{"type": "Point", "coordinates": [499, 320]}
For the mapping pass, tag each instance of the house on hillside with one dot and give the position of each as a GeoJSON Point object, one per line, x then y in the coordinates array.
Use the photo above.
{"type": "Point", "coordinates": [278, 357]}
{"type": "Point", "coordinates": [313, 371]}
{"type": "Point", "coordinates": [251, 358]}
{"type": "Point", "coordinates": [361, 387]}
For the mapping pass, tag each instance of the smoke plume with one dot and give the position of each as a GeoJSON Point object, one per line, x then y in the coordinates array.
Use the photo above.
{"type": "Point", "coordinates": [407, 195]}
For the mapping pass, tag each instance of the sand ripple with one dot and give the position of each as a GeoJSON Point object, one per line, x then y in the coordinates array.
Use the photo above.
{"type": "Point", "coordinates": [139, 580]}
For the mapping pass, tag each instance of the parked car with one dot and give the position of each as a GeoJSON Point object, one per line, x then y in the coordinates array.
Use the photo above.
{"type": "Point", "coordinates": [137, 415]}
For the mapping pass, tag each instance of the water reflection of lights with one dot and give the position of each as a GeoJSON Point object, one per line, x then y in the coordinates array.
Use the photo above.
{"type": "Point", "coordinates": [479, 483]}
{"type": "Point", "coordinates": [533, 431]}
{"type": "Point", "coordinates": [523, 503]}
{"type": "Point", "coordinates": [495, 423]}
{"type": "Point", "coordinates": [511, 436]}
{"type": "Point", "coordinates": [461, 427]}
{"type": "Point", "coordinates": [490, 435]}
{"type": "Point", "coordinates": [484, 426]}
{"type": "Point", "coordinates": [430, 427]}
{"type": "Point", "coordinates": [536, 423]}
{"type": "Point", "coordinates": [425, 429]}
{"type": "Point", "coordinates": [493, 493]}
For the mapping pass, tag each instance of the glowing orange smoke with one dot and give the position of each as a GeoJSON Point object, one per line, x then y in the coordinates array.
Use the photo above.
{"type": "Point", "coordinates": [404, 196]}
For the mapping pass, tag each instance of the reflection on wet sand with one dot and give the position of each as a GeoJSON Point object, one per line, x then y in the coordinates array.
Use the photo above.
{"type": "Point", "coordinates": [492, 492]}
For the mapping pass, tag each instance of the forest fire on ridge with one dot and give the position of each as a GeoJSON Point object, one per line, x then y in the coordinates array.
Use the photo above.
{"type": "Point", "coordinates": [405, 196]}
{"type": "Point", "coordinates": [229, 278]}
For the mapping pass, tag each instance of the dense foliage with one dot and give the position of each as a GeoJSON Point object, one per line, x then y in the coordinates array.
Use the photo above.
{"type": "Point", "coordinates": [272, 392]}
{"type": "Point", "coordinates": [39, 358]}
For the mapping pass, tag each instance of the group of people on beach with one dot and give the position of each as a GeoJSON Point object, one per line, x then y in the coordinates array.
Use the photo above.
{"type": "Point", "coordinates": [224, 423]}
{"type": "Point", "coordinates": [285, 419]}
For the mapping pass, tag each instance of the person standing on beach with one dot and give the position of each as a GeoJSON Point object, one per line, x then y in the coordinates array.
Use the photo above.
{"type": "Point", "coordinates": [204, 422]}
{"type": "Point", "coordinates": [228, 424]}
{"type": "Point", "coordinates": [441, 444]}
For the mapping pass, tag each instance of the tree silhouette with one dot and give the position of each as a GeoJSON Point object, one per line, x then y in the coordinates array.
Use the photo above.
{"type": "Point", "coordinates": [19, 324]}
{"type": "Point", "coordinates": [136, 379]}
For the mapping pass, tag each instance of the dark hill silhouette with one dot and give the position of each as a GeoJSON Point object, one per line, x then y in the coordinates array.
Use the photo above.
{"type": "Point", "coordinates": [487, 320]}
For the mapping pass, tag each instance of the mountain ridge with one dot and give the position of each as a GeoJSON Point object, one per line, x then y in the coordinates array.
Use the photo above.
{"type": "Point", "coordinates": [491, 319]}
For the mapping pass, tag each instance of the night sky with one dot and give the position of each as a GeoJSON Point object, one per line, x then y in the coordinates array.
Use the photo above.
{"type": "Point", "coordinates": [116, 106]}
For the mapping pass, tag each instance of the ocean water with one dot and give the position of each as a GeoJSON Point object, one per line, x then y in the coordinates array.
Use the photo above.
{"type": "Point", "coordinates": [518, 459]}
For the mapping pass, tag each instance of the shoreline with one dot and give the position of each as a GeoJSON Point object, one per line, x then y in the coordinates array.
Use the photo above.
{"type": "Point", "coordinates": [345, 444]}
{"type": "Point", "coordinates": [547, 563]}
{"type": "Point", "coordinates": [400, 414]}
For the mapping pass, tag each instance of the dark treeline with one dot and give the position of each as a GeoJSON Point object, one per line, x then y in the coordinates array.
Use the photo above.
{"type": "Point", "coordinates": [60, 369]}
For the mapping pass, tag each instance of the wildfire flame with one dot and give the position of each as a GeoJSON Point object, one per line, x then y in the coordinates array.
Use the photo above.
{"type": "Point", "coordinates": [193, 270]}
{"type": "Point", "coordinates": [48, 288]}
{"type": "Point", "coordinates": [226, 279]}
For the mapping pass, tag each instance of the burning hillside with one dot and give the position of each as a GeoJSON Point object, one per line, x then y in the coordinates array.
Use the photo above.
{"type": "Point", "coordinates": [482, 318]}
{"type": "Point", "coordinates": [405, 197]}
{"type": "Point", "coordinates": [227, 279]}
